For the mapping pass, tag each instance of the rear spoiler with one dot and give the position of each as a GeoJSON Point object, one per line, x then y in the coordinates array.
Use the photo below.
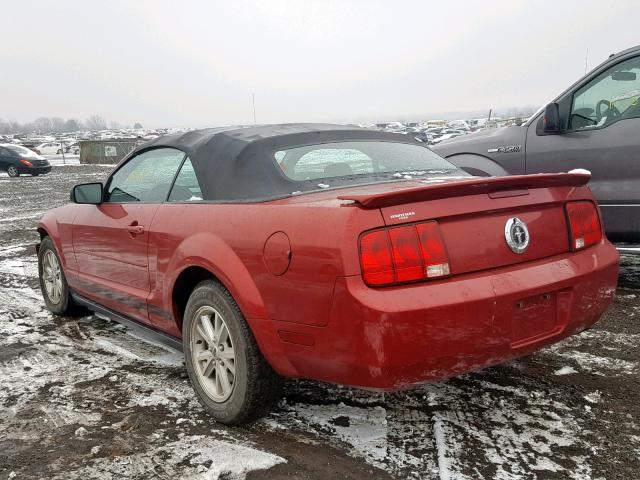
{"type": "Point", "coordinates": [458, 188]}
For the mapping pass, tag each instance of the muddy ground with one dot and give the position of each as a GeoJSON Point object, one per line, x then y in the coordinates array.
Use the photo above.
{"type": "Point", "coordinates": [86, 398]}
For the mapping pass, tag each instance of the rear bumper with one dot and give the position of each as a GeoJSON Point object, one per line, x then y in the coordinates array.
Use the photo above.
{"type": "Point", "coordinates": [393, 338]}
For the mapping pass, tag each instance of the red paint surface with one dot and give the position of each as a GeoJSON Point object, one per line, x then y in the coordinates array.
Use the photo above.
{"type": "Point", "coordinates": [496, 305]}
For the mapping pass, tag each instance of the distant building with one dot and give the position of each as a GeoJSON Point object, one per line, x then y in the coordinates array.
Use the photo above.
{"type": "Point", "coordinates": [109, 151]}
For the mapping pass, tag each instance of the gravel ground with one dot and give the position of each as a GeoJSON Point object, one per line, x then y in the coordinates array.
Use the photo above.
{"type": "Point", "coordinates": [87, 398]}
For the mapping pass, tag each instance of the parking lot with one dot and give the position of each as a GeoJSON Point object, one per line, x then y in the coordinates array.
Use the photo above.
{"type": "Point", "coordinates": [87, 398]}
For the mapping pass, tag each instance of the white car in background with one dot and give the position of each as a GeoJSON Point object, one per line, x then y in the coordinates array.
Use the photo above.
{"type": "Point", "coordinates": [73, 148]}
{"type": "Point", "coordinates": [50, 148]}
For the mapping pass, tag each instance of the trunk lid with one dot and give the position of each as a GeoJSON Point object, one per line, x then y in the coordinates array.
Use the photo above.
{"type": "Point", "coordinates": [473, 215]}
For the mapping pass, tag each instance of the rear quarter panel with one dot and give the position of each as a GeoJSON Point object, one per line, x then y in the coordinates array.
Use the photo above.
{"type": "Point", "coordinates": [228, 240]}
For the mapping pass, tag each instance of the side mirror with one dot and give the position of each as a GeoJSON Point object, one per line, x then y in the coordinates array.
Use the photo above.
{"type": "Point", "coordinates": [551, 119]}
{"type": "Point", "coordinates": [89, 193]}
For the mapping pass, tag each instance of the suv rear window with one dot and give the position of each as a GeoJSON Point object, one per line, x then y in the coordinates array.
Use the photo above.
{"type": "Point", "coordinates": [363, 158]}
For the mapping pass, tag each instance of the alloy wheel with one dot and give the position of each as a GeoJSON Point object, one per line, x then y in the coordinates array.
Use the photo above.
{"type": "Point", "coordinates": [213, 353]}
{"type": "Point", "coordinates": [52, 277]}
{"type": "Point", "coordinates": [12, 171]}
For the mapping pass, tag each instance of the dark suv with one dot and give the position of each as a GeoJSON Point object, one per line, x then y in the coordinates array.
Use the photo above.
{"type": "Point", "coordinates": [594, 125]}
{"type": "Point", "coordinates": [16, 159]}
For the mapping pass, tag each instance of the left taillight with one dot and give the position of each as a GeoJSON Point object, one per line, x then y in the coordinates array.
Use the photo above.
{"type": "Point", "coordinates": [584, 223]}
{"type": "Point", "coordinates": [26, 163]}
{"type": "Point", "coordinates": [404, 254]}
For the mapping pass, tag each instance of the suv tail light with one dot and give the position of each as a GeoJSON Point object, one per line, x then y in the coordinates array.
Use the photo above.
{"type": "Point", "coordinates": [403, 254]}
{"type": "Point", "coordinates": [584, 223]}
{"type": "Point", "coordinates": [26, 163]}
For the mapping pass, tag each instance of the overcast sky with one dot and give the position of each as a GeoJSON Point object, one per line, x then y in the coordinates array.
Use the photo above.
{"type": "Point", "coordinates": [184, 63]}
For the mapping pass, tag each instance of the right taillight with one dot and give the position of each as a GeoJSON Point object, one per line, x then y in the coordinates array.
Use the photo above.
{"type": "Point", "coordinates": [403, 254]}
{"type": "Point", "coordinates": [584, 223]}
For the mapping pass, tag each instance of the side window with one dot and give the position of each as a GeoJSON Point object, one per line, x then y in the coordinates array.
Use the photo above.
{"type": "Point", "coordinates": [146, 177]}
{"type": "Point", "coordinates": [186, 187]}
{"type": "Point", "coordinates": [611, 96]}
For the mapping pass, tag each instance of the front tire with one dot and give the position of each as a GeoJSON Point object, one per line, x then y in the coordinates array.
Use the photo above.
{"type": "Point", "coordinates": [231, 378]}
{"type": "Point", "coordinates": [53, 283]}
{"type": "Point", "coordinates": [12, 171]}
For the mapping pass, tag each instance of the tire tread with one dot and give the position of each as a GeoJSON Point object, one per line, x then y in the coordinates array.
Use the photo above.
{"type": "Point", "coordinates": [264, 386]}
{"type": "Point", "coordinates": [68, 307]}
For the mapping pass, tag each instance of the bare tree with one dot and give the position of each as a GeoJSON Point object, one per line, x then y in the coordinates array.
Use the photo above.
{"type": "Point", "coordinates": [43, 125]}
{"type": "Point", "coordinates": [57, 124]}
{"type": "Point", "coordinates": [96, 122]}
{"type": "Point", "coordinates": [51, 125]}
{"type": "Point", "coordinates": [72, 125]}
{"type": "Point", "coordinates": [137, 126]}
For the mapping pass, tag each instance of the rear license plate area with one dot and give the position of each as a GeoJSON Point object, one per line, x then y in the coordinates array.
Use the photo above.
{"type": "Point", "coordinates": [534, 318]}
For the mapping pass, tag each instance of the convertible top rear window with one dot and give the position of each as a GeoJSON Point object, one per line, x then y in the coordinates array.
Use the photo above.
{"type": "Point", "coordinates": [364, 158]}
{"type": "Point", "coordinates": [266, 162]}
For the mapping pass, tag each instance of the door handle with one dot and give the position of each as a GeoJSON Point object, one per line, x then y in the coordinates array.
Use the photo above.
{"type": "Point", "coordinates": [135, 229]}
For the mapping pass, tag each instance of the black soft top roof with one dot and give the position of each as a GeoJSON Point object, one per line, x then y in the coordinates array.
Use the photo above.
{"type": "Point", "coordinates": [237, 164]}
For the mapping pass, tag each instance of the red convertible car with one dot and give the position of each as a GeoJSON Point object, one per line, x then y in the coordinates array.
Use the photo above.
{"type": "Point", "coordinates": [324, 252]}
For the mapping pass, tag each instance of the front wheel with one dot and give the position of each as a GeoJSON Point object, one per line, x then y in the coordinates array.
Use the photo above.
{"type": "Point", "coordinates": [231, 378]}
{"type": "Point", "coordinates": [53, 283]}
{"type": "Point", "coordinates": [12, 171]}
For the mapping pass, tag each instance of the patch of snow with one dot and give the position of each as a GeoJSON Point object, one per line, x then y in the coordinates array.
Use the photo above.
{"type": "Point", "coordinates": [599, 365]}
{"type": "Point", "coordinates": [444, 464]}
{"type": "Point", "coordinates": [580, 170]}
{"type": "Point", "coordinates": [11, 250]}
{"type": "Point", "coordinates": [228, 461]}
{"type": "Point", "coordinates": [113, 348]}
{"type": "Point", "coordinates": [565, 371]}
{"type": "Point", "coordinates": [364, 429]}
{"type": "Point", "coordinates": [19, 267]}
{"type": "Point", "coordinates": [22, 217]}
{"type": "Point", "coordinates": [200, 458]}
{"type": "Point", "coordinates": [593, 397]}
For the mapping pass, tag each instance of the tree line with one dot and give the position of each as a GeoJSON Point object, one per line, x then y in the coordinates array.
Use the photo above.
{"type": "Point", "coordinates": [45, 125]}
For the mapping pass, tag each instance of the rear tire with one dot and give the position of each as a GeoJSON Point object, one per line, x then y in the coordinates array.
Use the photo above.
{"type": "Point", "coordinates": [53, 283]}
{"type": "Point", "coordinates": [231, 378]}
{"type": "Point", "coordinates": [12, 171]}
